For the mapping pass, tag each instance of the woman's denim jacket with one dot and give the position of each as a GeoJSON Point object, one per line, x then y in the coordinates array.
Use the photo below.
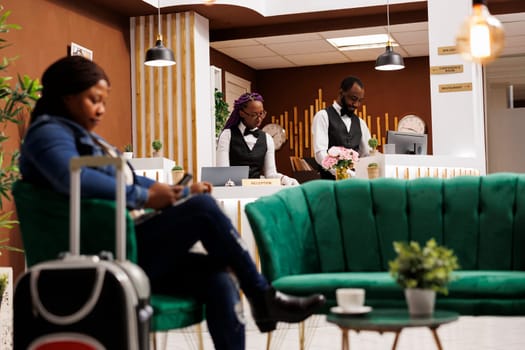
{"type": "Point", "coordinates": [49, 145]}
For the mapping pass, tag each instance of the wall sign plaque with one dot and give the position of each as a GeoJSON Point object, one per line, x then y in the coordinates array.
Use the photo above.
{"type": "Point", "coordinates": [457, 68]}
{"type": "Point", "coordinates": [455, 87]}
{"type": "Point", "coordinates": [447, 50]}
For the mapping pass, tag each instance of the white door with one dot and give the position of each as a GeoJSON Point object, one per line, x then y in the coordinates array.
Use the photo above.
{"type": "Point", "coordinates": [504, 126]}
{"type": "Point", "coordinates": [235, 87]}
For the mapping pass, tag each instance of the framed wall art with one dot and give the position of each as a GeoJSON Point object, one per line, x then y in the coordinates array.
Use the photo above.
{"type": "Point", "coordinates": [78, 50]}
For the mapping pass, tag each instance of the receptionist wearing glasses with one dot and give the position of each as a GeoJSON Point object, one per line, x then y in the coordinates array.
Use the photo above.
{"type": "Point", "coordinates": [338, 125]}
{"type": "Point", "coordinates": [242, 142]}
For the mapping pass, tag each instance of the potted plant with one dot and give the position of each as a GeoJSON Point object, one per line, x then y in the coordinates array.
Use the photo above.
{"type": "Point", "coordinates": [373, 170]}
{"type": "Point", "coordinates": [177, 173]}
{"type": "Point", "coordinates": [422, 271]}
{"type": "Point", "coordinates": [157, 146]}
{"type": "Point", "coordinates": [128, 151]}
{"type": "Point", "coordinates": [372, 142]}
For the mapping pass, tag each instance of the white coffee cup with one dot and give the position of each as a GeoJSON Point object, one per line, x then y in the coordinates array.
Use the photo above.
{"type": "Point", "coordinates": [350, 298]}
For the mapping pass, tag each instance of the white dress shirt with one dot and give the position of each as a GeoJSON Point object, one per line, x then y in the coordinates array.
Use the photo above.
{"type": "Point", "coordinates": [320, 133]}
{"type": "Point", "coordinates": [223, 151]}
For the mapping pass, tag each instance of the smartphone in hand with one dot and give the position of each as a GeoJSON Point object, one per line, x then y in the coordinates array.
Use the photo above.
{"type": "Point", "coordinates": [185, 179]}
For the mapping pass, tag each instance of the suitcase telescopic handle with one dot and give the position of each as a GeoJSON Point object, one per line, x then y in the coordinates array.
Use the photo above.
{"type": "Point", "coordinates": [75, 166]}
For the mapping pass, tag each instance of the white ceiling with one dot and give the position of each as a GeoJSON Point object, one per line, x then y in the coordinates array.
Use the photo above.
{"type": "Point", "coordinates": [312, 49]}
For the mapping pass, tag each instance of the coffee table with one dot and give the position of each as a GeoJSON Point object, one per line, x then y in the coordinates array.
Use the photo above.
{"type": "Point", "coordinates": [389, 320]}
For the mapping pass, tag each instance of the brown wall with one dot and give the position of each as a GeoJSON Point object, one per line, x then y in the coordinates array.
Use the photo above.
{"type": "Point", "coordinates": [384, 91]}
{"type": "Point", "coordinates": [398, 92]}
{"type": "Point", "coordinates": [48, 27]}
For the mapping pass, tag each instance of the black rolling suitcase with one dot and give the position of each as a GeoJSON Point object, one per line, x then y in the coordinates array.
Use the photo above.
{"type": "Point", "coordinates": [84, 302]}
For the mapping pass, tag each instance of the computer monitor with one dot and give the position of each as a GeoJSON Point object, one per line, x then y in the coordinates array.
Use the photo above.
{"type": "Point", "coordinates": [408, 142]}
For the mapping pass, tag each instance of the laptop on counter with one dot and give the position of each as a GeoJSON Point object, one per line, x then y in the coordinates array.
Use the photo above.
{"type": "Point", "coordinates": [219, 175]}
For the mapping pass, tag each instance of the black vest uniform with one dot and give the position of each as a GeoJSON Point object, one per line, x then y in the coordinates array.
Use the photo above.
{"type": "Point", "coordinates": [240, 153]}
{"type": "Point", "coordinates": [338, 136]}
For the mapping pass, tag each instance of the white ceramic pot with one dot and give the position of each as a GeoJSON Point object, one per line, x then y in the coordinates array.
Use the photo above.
{"type": "Point", "coordinates": [127, 155]}
{"type": "Point", "coordinates": [420, 301]}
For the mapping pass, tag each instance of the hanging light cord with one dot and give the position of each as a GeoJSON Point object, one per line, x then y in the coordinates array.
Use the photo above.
{"type": "Point", "coordinates": [388, 22]}
{"type": "Point", "coordinates": [158, 8]}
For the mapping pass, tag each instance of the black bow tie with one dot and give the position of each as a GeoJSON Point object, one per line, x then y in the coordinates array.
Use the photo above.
{"type": "Point", "coordinates": [255, 132]}
{"type": "Point", "coordinates": [345, 111]}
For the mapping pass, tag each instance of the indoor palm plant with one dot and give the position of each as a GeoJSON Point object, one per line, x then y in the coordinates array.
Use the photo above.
{"type": "Point", "coordinates": [221, 112]}
{"type": "Point", "coordinates": [423, 271]}
{"type": "Point", "coordinates": [16, 103]}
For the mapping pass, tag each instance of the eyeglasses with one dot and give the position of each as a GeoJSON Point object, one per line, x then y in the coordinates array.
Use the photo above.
{"type": "Point", "coordinates": [254, 115]}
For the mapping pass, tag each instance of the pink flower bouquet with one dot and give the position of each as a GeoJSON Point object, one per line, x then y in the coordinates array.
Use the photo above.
{"type": "Point", "coordinates": [340, 157]}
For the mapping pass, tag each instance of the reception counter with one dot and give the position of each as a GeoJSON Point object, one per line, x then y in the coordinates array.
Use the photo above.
{"type": "Point", "coordinates": [233, 199]}
{"type": "Point", "coordinates": [414, 166]}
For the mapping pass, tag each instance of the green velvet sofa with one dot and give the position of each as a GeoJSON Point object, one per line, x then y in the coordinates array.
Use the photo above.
{"type": "Point", "coordinates": [324, 235]}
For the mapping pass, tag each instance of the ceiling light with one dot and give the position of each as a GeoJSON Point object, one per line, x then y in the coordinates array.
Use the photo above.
{"type": "Point", "coordinates": [159, 55]}
{"type": "Point", "coordinates": [481, 37]}
{"type": "Point", "coordinates": [361, 42]}
{"type": "Point", "coordinates": [389, 60]}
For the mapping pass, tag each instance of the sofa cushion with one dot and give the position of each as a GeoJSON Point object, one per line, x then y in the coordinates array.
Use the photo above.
{"type": "Point", "coordinates": [488, 284]}
{"type": "Point", "coordinates": [377, 284]}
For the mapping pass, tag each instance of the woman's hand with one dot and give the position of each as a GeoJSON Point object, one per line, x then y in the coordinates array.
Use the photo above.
{"type": "Point", "coordinates": [162, 195]}
{"type": "Point", "coordinates": [201, 187]}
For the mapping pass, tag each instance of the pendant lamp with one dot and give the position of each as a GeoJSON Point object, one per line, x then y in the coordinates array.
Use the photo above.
{"type": "Point", "coordinates": [159, 55]}
{"type": "Point", "coordinates": [389, 60]}
{"type": "Point", "coordinates": [481, 37]}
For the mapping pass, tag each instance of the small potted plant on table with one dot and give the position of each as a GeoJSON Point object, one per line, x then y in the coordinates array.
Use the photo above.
{"type": "Point", "coordinates": [422, 272]}
{"type": "Point", "coordinates": [157, 146]}
{"type": "Point", "coordinates": [372, 142]}
{"type": "Point", "coordinates": [373, 170]}
{"type": "Point", "coordinates": [177, 173]}
{"type": "Point", "coordinates": [128, 151]}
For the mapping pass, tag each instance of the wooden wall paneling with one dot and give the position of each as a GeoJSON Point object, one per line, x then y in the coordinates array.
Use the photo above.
{"type": "Point", "coordinates": [175, 130]}
{"type": "Point", "coordinates": [166, 98]}
{"type": "Point", "coordinates": [138, 25]}
{"type": "Point", "coordinates": [183, 91]}
{"type": "Point", "coordinates": [288, 130]}
{"type": "Point", "coordinates": [306, 129]}
{"type": "Point", "coordinates": [148, 91]}
{"type": "Point", "coordinates": [192, 86]}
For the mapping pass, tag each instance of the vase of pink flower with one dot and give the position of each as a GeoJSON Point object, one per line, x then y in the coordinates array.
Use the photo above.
{"type": "Point", "coordinates": [341, 160]}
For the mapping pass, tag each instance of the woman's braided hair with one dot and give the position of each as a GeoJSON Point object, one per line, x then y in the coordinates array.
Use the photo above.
{"type": "Point", "coordinates": [240, 104]}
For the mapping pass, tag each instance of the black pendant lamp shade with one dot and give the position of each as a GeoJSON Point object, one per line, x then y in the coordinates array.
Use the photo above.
{"type": "Point", "coordinates": [389, 60]}
{"type": "Point", "coordinates": [159, 55]}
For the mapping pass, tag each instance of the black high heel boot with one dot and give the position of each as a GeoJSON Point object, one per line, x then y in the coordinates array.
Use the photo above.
{"type": "Point", "coordinates": [273, 306]}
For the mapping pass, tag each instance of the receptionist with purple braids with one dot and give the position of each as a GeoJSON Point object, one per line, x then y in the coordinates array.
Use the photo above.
{"type": "Point", "coordinates": [243, 143]}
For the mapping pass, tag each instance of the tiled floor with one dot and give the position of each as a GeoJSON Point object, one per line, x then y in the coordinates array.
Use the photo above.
{"type": "Point", "coordinates": [468, 333]}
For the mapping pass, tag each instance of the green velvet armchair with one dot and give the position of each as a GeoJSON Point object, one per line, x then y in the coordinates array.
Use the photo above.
{"type": "Point", "coordinates": [44, 224]}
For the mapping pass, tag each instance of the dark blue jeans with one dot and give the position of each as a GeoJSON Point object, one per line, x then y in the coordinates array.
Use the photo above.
{"type": "Point", "coordinates": [163, 244]}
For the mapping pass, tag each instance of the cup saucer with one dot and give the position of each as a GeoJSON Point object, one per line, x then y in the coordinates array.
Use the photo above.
{"type": "Point", "coordinates": [354, 311]}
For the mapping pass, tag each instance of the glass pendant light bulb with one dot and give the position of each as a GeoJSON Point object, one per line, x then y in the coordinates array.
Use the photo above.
{"type": "Point", "coordinates": [481, 37]}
